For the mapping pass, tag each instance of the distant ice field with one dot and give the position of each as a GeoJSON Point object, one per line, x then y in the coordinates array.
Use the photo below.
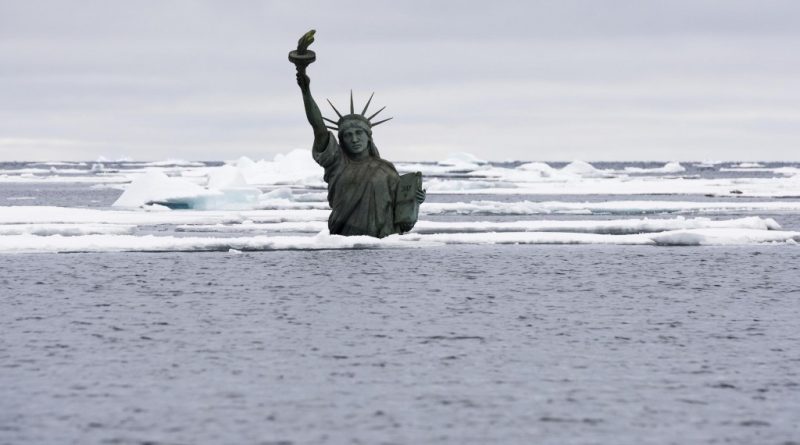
{"type": "Point", "coordinates": [281, 204]}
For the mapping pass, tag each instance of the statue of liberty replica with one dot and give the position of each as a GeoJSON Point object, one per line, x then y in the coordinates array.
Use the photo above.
{"type": "Point", "coordinates": [366, 194]}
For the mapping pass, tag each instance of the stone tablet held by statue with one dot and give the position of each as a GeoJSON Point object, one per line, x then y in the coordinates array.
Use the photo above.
{"type": "Point", "coordinates": [366, 194]}
{"type": "Point", "coordinates": [406, 207]}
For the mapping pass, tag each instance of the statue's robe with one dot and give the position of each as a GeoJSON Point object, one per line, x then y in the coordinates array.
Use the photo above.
{"type": "Point", "coordinates": [361, 193]}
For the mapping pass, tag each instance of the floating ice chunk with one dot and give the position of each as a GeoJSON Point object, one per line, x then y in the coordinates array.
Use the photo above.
{"type": "Point", "coordinates": [251, 227]}
{"type": "Point", "coordinates": [20, 171]}
{"type": "Point", "coordinates": [704, 237]}
{"type": "Point", "coordinates": [435, 169]}
{"type": "Point", "coordinates": [284, 198]}
{"type": "Point", "coordinates": [669, 167]}
{"type": "Point", "coordinates": [518, 182]}
{"type": "Point", "coordinates": [440, 185]}
{"type": "Point", "coordinates": [510, 177]}
{"type": "Point", "coordinates": [543, 170]}
{"type": "Point", "coordinates": [603, 207]}
{"type": "Point", "coordinates": [463, 161]}
{"type": "Point", "coordinates": [60, 163]}
{"type": "Point", "coordinates": [692, 237]}
{"type": "Point", "coordinates": [101, 243]}
{"type": "Point", "coordinates": [295, 167]}
{"type": "Point", "coordinates": [584, 169]}
{"type": "Point", "coordinates": [69, 215]}
{"type": "Point", "coordinates": [672, 167]}
{"type": "Point", "coordinates": [154, 186]}
{"type": "Point", "coordinates": [91, 177]}
{"type": "Point", "coordinates": [103, 159]}
{"type": "Point", "coordinates": [299, 161]}
{"type": "Point", "coordinates": [225, 176]}
{"type": "Point", "coordinates": [613, 227]}
{"type": "Point", "coordinates": [65, 229]}
{"type": "Point", "coordinates": [173, 163]}
{"type": "Point", "coordinates": [150, 243]}
{"type": "Point", "coordinates": [224, 199]}
{"type": "Point", "coordinates": [67, 171]}
{"type": "Point", "coordinates": [788, 171]}
{"type": "Point", "coordinates": [175, 192]}
{"type": "Point", "coordinates": [310, 197]}
{"type": "Point", "coordinates": [530, 238]}
{"type": "Point", "coordinates": [280, 193]}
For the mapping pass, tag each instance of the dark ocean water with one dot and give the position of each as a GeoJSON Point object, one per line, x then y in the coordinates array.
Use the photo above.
{"type": "Point", "coordinates": [473, 344]}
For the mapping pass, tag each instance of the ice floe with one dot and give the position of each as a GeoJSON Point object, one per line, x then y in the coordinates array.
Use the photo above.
{"type": "Point", "coordinates": [691, 237]}
{"type": "Point", "coordinates": [66, 229]}
{"type": "Point", "coordinates": [48, 229]}
{"type": "Point", "coordinates": [177, 192]}
{"type": "Point", "coordinates": [149, 243]}
{"type": "Point", "coordinates": [669, 167]}
{"type": "Point", "coordinates": [604, 207]}
{"type": "Point", "coordinates": [611, 227]}
{"type": "Point", "coordinates": [151, 216]}
{"type": "Point", "coordinates": [714, 237]}
{"type": "Point", "coordinates": [296, 167]}
{"type": "Point", "coordinates": [584, 170]}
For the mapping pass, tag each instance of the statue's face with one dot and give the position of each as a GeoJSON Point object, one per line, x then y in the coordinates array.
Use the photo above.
{"type": "Point", "coordinates": [355, 140]}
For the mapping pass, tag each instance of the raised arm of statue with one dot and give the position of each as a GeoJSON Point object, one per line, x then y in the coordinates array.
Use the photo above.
{"type": "Point", "coordinates": [303, 57]}
{"type": "Point", "coordinates": [312, 113]}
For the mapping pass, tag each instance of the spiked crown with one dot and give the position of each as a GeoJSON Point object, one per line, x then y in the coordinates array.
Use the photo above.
{"type": "Point", "coordinates": [337, 124]}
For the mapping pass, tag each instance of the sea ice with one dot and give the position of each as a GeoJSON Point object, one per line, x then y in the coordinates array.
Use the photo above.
{"type": "Point", "coordinates": [156, 187]}
{"type": "Point", "coordinates": [296, 167]}
{"type": "Point", "coordinates": [613, 227]}
{"type": "Point", "coordinates": [66, 229]}
{"type": "Point", "coordinates": [669, 167]}
{"type": "Point", "coordinates": [462, 161]}
{"type": "Point", "coordinates": [541, 169]}
{"type": "Point", "coordinates": [584, 170]}
{"type": "Point", "coordinates": [610, 227]}
{"type": "Point", "coordinates": [603, 207]}
{"type": "Point", "coordinates": [715, 237]}
{"type": "Point", "coordinates": [151, 216]}
{"type": "Point", "coordinates": [149, 243]}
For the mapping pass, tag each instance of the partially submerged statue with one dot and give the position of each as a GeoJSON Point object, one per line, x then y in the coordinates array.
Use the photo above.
{"type": "Point", "coordinates": [365, 192]}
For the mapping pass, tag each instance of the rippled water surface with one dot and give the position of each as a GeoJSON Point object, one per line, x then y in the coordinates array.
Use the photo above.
{"type": "Point", "coordinates": [454, 344]}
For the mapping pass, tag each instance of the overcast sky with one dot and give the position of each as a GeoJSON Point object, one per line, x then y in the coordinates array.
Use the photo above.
{"type": "Point", "coordinates": [527, 80]}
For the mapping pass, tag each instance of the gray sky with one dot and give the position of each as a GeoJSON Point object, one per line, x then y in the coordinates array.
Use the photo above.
{"type": "Point", "coordinates": [528, 80]}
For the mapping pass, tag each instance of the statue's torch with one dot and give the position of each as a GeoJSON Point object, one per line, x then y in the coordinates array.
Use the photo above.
{"type": "Point", "coordinates": [302, 56]}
